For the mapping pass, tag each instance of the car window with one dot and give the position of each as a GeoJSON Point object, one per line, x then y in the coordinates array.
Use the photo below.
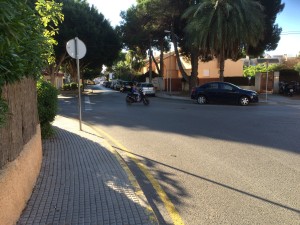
{"type": "Point", "coordinates": [147, 85]}
{"type": "Point", "coordinates": [212, 86]}
{"type": "Point", "coordinates": [227, 87]}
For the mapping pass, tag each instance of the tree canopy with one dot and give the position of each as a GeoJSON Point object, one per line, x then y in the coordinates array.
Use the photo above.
{"type": "Point", "coordinates": [86, 23]}
{"type": "Point", "coordinates": [224, 28]}
{"type": "Point", "coordinates": [144, 27]}
{"type": "Point", "coordinates": [24, 47]}
{"type": "Point", "coordinates": [150, 18]}
{"type": "Point", "coordinates": [271, 34]}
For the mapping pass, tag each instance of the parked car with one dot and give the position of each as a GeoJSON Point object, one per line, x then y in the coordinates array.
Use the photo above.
{"type": "Point", "coordinates": [106, 84]}
{"type": "Point", "coordinates": [89, 82]}
{"type": "Point", "coordinates": [223, 92]}
{"type": "Point", "coordinates": [147, 88]}
{"type": "Point", "coordinates": [113, 84]}
{"type": "Point", "coordinates": [118, 84]}
{"type": "Point", "coordinates": [126, 86]}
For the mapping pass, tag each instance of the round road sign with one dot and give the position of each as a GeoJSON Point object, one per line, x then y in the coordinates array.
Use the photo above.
{"type": "Point", "coordinates": [71, 48]}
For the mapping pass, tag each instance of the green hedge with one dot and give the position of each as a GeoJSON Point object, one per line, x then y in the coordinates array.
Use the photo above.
{"type": "Point", "coordinates": [47, 106]}
{"type": "Point", "coordinates": [23, 47]}
{"type": "Point", "coordinates": [71, 86]}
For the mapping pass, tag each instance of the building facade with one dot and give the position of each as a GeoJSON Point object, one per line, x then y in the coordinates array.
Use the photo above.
{"type": "Point", "coordinates": [207, 71]}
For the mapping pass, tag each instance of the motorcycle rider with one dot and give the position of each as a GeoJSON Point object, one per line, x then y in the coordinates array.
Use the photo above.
{"type": "Point", "coordinates": [135, 92]}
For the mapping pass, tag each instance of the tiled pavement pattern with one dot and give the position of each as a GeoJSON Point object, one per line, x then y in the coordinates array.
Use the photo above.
{"type": "Point", "coordinates": [81, 182]}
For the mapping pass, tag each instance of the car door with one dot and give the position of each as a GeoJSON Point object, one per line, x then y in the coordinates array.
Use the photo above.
{"type": "Point", "coordinates": [211, 92]}
{"type": "Point", "coordinates": [228, 93]}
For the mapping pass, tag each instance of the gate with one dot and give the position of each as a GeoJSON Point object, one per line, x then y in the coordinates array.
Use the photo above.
{"type": "Point", "coordinates": [263, 79]}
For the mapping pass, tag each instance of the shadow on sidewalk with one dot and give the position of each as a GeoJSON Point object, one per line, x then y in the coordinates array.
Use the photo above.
{"type": "Point", "coordinates": [81, 182]}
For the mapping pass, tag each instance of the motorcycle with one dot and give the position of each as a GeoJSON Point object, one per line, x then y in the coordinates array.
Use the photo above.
{"type": "Point", "coordinates": [286, 88]}
{"type": "Point", "coordinates": [133, 98]}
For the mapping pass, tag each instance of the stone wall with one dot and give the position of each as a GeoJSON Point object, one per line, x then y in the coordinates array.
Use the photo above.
{"type": "Point", "coordinates": [22, 120]}
{"type": "Point", "coordinates": [20, 149]}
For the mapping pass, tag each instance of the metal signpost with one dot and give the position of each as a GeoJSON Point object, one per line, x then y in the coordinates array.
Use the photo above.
{"type": "Point", "coordinates": [77, 50]}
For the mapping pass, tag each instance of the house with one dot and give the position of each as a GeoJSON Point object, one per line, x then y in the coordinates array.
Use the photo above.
{"type": "Point", "coordinates": [207, 71]}
{"type": "Point", "coordinates": [59, 79]}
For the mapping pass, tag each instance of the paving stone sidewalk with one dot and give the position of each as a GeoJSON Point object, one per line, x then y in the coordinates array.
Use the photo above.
{"type": "Point", "coordinates": [82, 182]}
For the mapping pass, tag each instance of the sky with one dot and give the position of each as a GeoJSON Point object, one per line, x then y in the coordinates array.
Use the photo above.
{"type": "Point", "coordinates": [111, 8]}
{"type": "Point", "coordinates": [288, 20]}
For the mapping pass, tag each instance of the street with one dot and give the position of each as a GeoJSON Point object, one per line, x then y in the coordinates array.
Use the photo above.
{"type": "Point", "coordinates": [218, 164]}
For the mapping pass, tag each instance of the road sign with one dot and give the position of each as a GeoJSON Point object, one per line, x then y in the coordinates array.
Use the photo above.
{"type": "Point", "coordinates": [72, 50]}
{"type": "Point", "coordinates": [77, 50]}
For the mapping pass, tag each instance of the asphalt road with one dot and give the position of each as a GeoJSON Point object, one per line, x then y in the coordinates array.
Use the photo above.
{"type": "Point", "coordinates": [218, 164]}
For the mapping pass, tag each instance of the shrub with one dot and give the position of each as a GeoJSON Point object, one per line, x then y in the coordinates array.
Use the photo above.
{"type": "Point", "coordinates": [297, 67]}
{"type": "Point", "coordinates": [47, 106]}
{"type": "Point", "coordinates": [66, 87]}
{"type": "Point", "coordinates": [73, 86]}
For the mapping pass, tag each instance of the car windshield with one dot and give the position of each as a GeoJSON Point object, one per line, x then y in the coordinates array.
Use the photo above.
{"type": "Point", "coordinates": [147, 85]}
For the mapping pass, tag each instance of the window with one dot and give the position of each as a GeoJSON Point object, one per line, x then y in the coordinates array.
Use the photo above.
{"type": "Point", "coordinates": [212, 86]}
{"type": "Point", "coordinates": [226, 87]}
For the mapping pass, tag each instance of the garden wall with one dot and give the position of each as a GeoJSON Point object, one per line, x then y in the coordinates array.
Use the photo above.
{"type": "Point", "coordinates": [20, 149]}
{"type": "Point", "coordinates": [22, 120]}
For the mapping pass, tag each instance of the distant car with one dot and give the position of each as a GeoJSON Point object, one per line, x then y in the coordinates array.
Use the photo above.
{"type": "Point", "coordinates": [90, 82]}
{"type": "Point", "coordinates": [118, 84]}
{"type": "Point", "coordinates": [106, 84]}
{"type": "Point", "coordinates": [113, 84]}
{"type": "Point", "coordinates": [223, 92]}
{"type": "Point", "coordinates": [147, 88]}
{"type": "Point", "coordinates": [126, 86]}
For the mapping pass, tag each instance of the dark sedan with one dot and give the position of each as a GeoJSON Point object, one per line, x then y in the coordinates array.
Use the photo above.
{"type": "Point", "coordinates": [223, 92]}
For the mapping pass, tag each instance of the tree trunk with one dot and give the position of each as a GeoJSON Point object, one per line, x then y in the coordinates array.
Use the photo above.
{"type": "Point", "coordinates": [155, 62]}
{"type": "Point", "coordinates": [150, 59]}
{"type": "Point", "coordinates": [52, 74]}
{"type": "Point", "coordinates": [161, 63]}
{"type": "Point", "coordinates": [222, 64]}
{"type": "Point", "coordinates": [194, 74]}
{"type": "Point", "coordinates": [72, 69]}
{"type": "Point", "coordinates": [221, 71]}
{"type": "Point", "coordinates": [53, 69]}
{"type": "Point", "coordinates": [183, 73]}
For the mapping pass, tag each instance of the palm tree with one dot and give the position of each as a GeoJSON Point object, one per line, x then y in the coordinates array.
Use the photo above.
{"type": "Point", "coordinates": [223, 28]}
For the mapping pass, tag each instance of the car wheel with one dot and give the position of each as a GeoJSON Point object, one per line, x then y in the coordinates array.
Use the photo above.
{"type": "Point", "coordinates": [244, 100]}
{"type": "Point", "coordinates": [201, 99]}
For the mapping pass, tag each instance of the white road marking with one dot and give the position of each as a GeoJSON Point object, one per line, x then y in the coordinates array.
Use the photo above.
{"type": "Point", "coordinates": [87, 103]}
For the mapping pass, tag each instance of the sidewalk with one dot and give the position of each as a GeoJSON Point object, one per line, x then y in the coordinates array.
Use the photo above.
{"type": "Point", "coordinates": [83, 181]}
